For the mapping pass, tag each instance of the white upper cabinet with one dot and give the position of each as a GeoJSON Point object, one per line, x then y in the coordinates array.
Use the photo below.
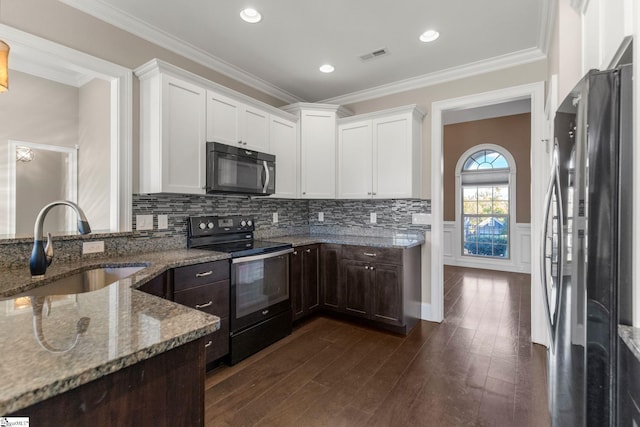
{"type": "Point", "coordinates": [355, 160]}
{"type": "Point", "coordinates": [180, 112]}
{"type": "Point", "coordinates": [172, 129]}
{"type": "Point", "coordinates": [235, 123]}
{"type": "Point", "coordinates": [284, 145]}
{"type": "Point", "coordinates": [379, 154]}
{"type": "Point", "coordinates": [317, 148]}
{"type": "Point", "coordinates": [605, 24]}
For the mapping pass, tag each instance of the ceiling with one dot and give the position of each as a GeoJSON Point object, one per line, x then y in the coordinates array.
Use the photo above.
{"type": "Point", "coordinates": [281, 54]}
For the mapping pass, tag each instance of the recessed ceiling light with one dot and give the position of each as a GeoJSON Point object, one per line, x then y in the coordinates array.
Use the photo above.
{"type": "Point", "coordinates": [429, 36]}
{"type": "Point", "coordinates": [250, 15]}
{"type": "Point", "coordinates": [326, 68]}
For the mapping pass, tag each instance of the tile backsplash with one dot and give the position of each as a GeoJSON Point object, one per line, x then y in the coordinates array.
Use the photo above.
{"type": "Point", "coordinates": [350, 217]}
{"type": "Point", "coordinates": [294, 216]}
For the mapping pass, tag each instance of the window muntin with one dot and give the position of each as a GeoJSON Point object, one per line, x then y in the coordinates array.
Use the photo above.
{"type": "Point", "coordinates": [485, 205]}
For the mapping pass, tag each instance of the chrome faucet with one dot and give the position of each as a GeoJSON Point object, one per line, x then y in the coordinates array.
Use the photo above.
{"type": "Point", "coordinates": [41, 255]}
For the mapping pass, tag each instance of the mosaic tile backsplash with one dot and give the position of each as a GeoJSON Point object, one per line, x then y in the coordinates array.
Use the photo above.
{"type": "Point", "coordinates": [347, 217]}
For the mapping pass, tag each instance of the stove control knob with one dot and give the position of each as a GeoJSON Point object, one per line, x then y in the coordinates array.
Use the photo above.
{"type": "Point", "coordinates": [210, 225]}
{"type": "Point", "coordinates": [249, 223]}
{"type": "Point", "coordinates": [243, 223]}
{"type": "Point", "coordinates": [202, 226]}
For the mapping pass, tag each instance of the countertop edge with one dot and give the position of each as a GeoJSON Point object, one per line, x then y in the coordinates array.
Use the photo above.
{"type": "Point", "coordinates": [631, 337]}
{"type": "Point", "coordinates": [71, 382]}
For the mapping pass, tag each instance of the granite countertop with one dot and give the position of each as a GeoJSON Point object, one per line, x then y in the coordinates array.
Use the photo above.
{"type": "Point", "coordinates": [404, 241]}
{"type": "Point", "coordinates": [631, 337]}
{"type": "Point", "coordinates": [65, 341]}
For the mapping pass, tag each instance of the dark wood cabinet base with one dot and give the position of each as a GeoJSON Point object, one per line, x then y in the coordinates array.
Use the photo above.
{"type": "Point", "coordinates": [165, 390]}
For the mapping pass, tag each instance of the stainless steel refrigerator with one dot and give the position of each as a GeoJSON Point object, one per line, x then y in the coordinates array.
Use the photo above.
{"type": "Point", "coordinates": [587, 247]}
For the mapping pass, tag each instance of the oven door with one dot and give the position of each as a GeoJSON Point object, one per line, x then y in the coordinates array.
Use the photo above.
{"type": "Point", "coordinates": [259, 288]}
{"type": "Point", "coordinates": [232, 172]}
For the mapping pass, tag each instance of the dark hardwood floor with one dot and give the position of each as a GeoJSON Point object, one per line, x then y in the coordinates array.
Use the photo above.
{"type": "Point", "coordinates": [476, 368]}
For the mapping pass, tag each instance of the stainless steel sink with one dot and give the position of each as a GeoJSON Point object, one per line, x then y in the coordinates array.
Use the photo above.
{"type": "Point", "coordinates": [85, 281]}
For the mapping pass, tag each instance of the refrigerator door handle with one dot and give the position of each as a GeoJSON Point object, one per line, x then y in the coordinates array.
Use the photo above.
{"type": "Point", "coordinates": [553, 301]}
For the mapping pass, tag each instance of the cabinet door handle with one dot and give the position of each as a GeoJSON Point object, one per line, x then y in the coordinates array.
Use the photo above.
{"type": "Point", "coordinates": [205, 274]}
{"type": "Point", "coordinates": [368, 193]}
{"type": "Point", "coordinates": [210, 303]}
{"type": "Point", "coordinates": [295, 252]}
{"type": "Point", "coordinates": [370, 254]}
{"type": "Point", "coordinates": [374, 193]}
{"type": "Point", "coordinates": [265, 312]}
{"type": "Point", "coordinates": [366, 267]}
{"type": "Point", "coordinates": [208, 344]}
{"type": "Point", "coordinates": [371, 268]}
{"type": "Point", "coordinates": [308, 251]}
{"type": "Point", "coordinates": [240, 142]}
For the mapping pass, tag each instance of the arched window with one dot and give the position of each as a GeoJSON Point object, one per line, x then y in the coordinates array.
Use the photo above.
{"type": "Point", "coordinates": [486, 205]}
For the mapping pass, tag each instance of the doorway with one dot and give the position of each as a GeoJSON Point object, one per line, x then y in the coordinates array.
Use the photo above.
{"type": "Point", "coordinates": [40, 174]}
{"type": "Point", "coordinates": [535, 94]}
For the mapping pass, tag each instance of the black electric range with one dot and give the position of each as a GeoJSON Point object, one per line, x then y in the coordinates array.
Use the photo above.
{"type": "Point", "coordinates": [229, 234]}
{"type": "Point", "coordinates": [259, 303]}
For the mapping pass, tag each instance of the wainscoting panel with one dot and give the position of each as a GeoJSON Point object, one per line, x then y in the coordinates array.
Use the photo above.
{"type": "Point", "coordinates": [520, 260]}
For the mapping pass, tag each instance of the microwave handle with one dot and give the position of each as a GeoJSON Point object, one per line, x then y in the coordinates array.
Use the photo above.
{"type": "Point", "coordinates": [268, 176]}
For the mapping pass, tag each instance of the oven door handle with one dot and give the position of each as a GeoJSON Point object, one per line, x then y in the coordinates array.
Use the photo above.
{"type": "Point", "coordinates": [261, 256]}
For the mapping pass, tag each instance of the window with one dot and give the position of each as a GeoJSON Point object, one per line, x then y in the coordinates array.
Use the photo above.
{"type": "Point", "coordinates": [485, 190]}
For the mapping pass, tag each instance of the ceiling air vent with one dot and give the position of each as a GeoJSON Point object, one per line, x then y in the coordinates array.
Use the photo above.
{"type": "Point", "coordinates": [375, 54]}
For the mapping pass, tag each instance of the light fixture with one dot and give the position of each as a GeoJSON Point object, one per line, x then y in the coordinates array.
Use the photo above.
{"type": "Point", "coordinates": [429, 36]}
{"type": "Point", "coordinates": [4, 65]}
{"type": "Point", "coordinates": [24, 154]}
{"type": "Point", "coordinates": [327, 68]}
{"type": "Point", "coordinates": [250, 15]}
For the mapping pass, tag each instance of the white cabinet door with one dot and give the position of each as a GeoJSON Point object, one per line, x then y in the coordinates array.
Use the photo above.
{"type": "Point", "coordinates": [284, 145]}
{"type": "Point", "coordinates": [223, 119]}
{"type": "Point", "coordinates": [318, 154]}
{"type": "Point", "coordinates": [354, 160]}
{"type": "Point", "coordinates": [237, 124]}
{"type": "Point", "coordinates": [254, 129]}
{"type": "Point", "coordinates": [392, 157]}
{"type": "Point", "coordinates": [183, 137]}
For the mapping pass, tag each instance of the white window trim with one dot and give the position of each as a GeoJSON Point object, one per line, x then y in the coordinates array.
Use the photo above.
{"type": "Point", "coordinates": [509, 262]}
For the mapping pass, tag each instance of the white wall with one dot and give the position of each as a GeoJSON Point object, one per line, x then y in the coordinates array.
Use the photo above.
{"type": "Point", "coordinates": [93, 157]}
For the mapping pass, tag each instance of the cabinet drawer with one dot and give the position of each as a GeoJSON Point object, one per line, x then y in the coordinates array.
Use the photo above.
{"type": "Point", "coordinates": [200, 274]}
{"type": "Point", "coordinates": [372, 254]}
{"type": "Point", "coordinates": [212, 298]}
{"type": "Point", "coordinates": [217, 343]}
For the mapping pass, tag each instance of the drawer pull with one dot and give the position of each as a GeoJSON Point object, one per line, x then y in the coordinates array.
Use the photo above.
{"type": "Point", "coordinates": [205, 274]}
{"type": "Point", "coordinates": [208, 344]}
{"type": "Point", "coordinates": [210, 303]}
{"type": "Point", "coordinates": [370, 254]}
{"type": "Point", "coordinates": [265, 312]}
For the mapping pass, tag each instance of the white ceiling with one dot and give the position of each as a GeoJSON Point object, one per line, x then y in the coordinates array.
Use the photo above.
{"type": "Point", "coordinates": [281, 54]}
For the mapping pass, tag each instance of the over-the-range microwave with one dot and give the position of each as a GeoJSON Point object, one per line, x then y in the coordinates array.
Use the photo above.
{"type": "Point", "coordinates": [234, 170]}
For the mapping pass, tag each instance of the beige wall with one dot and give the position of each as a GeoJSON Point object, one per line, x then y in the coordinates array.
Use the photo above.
{"type": "Point", "coordinates": [94, 168]}
{"type": "Point", "coordinates": [512, 133]}
{"type": "Point", "coordinates": [38, 111]}
{"type": "Point", "coordinates": [424, 97]}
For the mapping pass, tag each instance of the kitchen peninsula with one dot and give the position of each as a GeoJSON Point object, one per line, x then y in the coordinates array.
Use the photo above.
{"type": "Point", "coordinates": [115, 350]}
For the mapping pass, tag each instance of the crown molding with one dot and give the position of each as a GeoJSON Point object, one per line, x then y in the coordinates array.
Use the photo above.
{"type": "Point", "coordinates": [130, 24]}
{"type": "Point", "coordinates": [455, 73]}
{"type": "Point", "coordinates": [547, 21]}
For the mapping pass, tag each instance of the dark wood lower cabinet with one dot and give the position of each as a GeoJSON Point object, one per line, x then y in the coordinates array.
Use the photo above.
{"type": "Point", "coordinates": [165, 390]}
{"type": "Point", "coordinates": [381, 285]}
{"type": "Point", "coordinates": [304, 272]}
{"type": "Point", "coordinates": [356, 284]}
{"type": "Point", "coordinates": [330, 283]}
